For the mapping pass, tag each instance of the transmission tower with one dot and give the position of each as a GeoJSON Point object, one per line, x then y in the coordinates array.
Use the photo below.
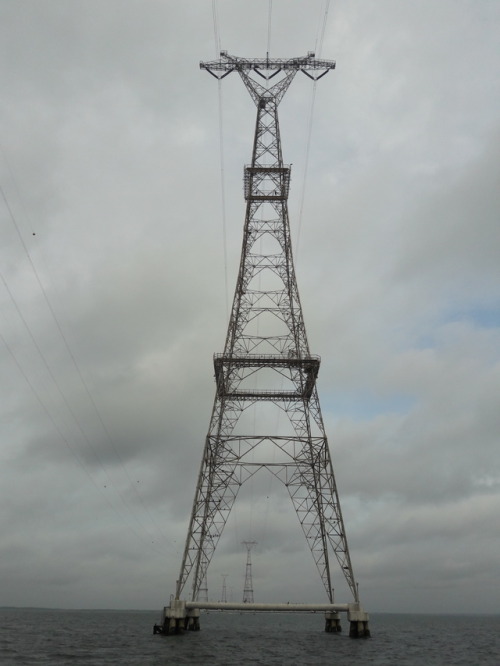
{"type": "Point", "coordinates": [248, 587]}
{"type": "Point", "coordinates": [224, 589]}
{"type": "Point", "coordinates": [266, 366]}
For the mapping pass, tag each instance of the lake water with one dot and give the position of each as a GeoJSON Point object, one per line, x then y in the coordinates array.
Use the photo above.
{"type": "Point", "coordinates": [36, 636]}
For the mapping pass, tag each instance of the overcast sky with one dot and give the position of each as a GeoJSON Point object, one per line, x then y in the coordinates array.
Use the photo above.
{"type": "Point", "coordinates": [117, 269]}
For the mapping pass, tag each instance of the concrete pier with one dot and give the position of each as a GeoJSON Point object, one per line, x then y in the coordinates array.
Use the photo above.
{"type": "Point", "coordinates": [178, 618]}
{"type": "Point", "coordinates": [185, 615]}
{"type": "Point", "coordinates": [358, 622]}
{"type": "Point", "coordinates": [332, 622]}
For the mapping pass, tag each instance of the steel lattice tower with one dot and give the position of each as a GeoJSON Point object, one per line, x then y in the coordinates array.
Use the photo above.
{"type": "Point", "coordinates": [223, 597]}
{"type": "Point", "coordinates": [266, 365]}
{"type": "Point", "coordinates": [248, 587]}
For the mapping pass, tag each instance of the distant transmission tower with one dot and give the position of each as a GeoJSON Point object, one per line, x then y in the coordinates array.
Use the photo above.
{"type": "Point", "coordinates": [224, 589]}
{"type": "Point", "coordinates": [266, 369]}
{"type": "Point", "coordinates": [248, 587]}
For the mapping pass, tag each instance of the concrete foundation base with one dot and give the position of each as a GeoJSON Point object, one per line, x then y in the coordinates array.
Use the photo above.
{"type": "Point", "coordinates": [358, 622]}
{"type": "Point", "coordinates": [183, 616]}
{"type": "Point", "coordinates": [177, 618]}
{"type": "Point", "coordinates": [332, 622]}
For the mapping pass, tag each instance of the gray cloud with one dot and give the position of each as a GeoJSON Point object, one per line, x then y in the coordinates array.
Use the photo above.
{"type": "Point", "coordinates": [113, 294]}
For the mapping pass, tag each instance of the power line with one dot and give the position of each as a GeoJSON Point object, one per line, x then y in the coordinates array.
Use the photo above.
{"type": "Point", "coordinates": [215, 19]}
{"type": "Point", "coordinates": [321, 31]}
{"type": "Point", "coordinates": [76, 366]}
{"type": "Point", "coordinates": [223, 195]}
{"type": "Point", "coordinates": [269, 16]}
{"type": "Point", "coordinates": [71, 449]}
{"type": "Point", "coordinates": [217, 40]}
{"type": "Point", "coordinates": [320, 36]}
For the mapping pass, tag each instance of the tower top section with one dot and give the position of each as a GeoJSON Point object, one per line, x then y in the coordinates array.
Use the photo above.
{"type": "Point", "coordinates": [263, 66]}
{"type": "Point", "coordinates": [267, 68]}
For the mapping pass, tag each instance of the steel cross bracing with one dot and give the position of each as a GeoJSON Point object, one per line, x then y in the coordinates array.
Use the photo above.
{"type": "Point", "coordinates": [266, 367]}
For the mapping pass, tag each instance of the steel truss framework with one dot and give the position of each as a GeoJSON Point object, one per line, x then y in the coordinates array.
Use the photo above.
{"type": "Point", "coordinates": [266, 364]}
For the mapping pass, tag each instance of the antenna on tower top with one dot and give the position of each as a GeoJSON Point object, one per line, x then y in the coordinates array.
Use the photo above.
{"type": "Point", "coordinates": [248, 587]}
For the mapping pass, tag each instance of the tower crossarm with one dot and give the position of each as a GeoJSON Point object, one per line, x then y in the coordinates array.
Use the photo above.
{"type": "Point", "coordinates": [263, 66]}
{"type": "Point", "coordinates": [267, 68]}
